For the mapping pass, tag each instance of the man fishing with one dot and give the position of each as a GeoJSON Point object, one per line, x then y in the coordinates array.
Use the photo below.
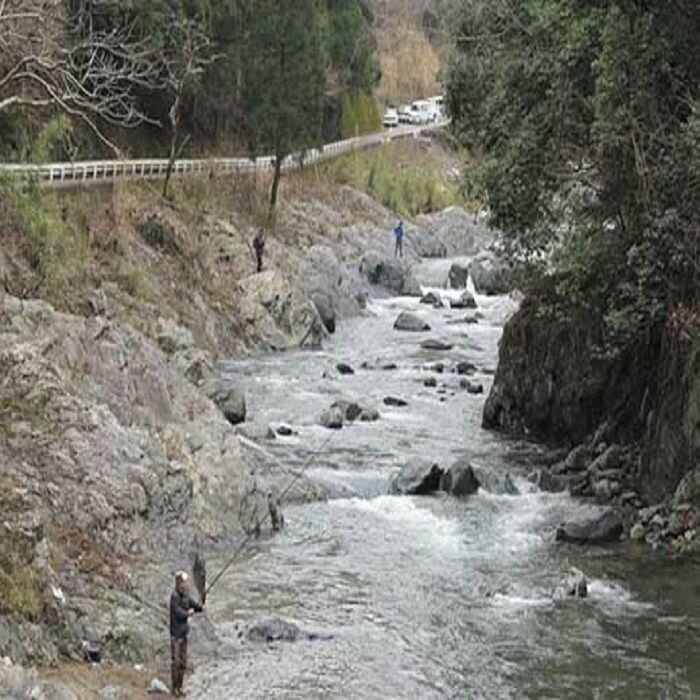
{"type": "Point", "coordinates": [181, 608]}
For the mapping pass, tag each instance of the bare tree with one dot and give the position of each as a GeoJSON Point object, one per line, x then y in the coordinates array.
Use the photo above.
{"type": "Point", "coordinates": [189, 52]}
{"type": "Point", "coordinates": [53, 57]}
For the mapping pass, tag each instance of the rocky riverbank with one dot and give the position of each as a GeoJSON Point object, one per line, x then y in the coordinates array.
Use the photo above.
{"type": "Point", "coordinates": [630, 420]}
{"type": "Point", "coordinates": [122, 446]}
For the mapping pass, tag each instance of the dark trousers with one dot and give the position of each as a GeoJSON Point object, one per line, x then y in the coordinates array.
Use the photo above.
{"type": "Point", "coordinates": [398, 251]}
{"type": "Point", "coordinates": [178, 651]}
{"type": "Point", "coordinates": [258, 257]}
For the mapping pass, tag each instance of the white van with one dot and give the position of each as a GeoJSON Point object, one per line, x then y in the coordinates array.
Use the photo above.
{"type": "Point", "coordinates": [438, 106]}
{"type": "Point", "coordinates": [421, 112]}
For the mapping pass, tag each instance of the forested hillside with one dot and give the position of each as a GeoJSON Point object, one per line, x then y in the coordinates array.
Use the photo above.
{"type": "Point", "coordinates": [79, 79]}
{"type": "Point", "coordinates": [588, 119]}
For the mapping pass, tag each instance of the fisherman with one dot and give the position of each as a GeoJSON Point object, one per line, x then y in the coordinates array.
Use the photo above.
{"type": "Point", "coordinates": [276, 517]}
{"type": "Point", "coordinates": [398, 234]}
{"type": "Point", "coordinates": [259, 247]}
{"type": "Point", "coordinates": [181, 607]}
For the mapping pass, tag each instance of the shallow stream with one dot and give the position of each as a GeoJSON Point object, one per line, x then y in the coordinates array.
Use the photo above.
{"type": "Point", "coordinates": [434, 597]}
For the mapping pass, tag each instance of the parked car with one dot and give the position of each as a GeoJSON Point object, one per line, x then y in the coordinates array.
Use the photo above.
{"type": "Point", "coordinates": [391, 118]}
{"type": "Point", "coordinates": [405, 114]}
{"type": "Point", "coordinates": [438, 105]}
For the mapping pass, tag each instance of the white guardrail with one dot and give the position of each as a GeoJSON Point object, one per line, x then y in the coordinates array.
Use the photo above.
{"type": "Point", "coordinates": [89, 172]}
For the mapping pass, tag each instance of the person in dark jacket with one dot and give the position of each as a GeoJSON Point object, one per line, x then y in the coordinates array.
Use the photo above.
{"type": "Point", "coordinates": [398, 235]}
{"type": "Point", "coordinates": [181, 607]}
{"type": "Point", "coordinates": [276, 516]}
{"type": "Point", "coordinates": [259, 247]}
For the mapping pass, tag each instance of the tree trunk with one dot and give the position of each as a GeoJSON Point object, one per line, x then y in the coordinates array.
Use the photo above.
{"type": "Point", "coordinates": [276, 182]}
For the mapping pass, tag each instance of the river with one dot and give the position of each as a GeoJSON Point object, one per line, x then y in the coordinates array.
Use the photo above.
{"type": "Point", "coordinates": [433, 597]}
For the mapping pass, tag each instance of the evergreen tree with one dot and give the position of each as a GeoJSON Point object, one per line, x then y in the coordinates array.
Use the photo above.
{"type": "Point", "coordinates": [284, 80]}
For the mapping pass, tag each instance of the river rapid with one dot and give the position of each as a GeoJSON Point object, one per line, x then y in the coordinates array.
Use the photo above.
{"type": "Point", "coordinates": [433, 597]}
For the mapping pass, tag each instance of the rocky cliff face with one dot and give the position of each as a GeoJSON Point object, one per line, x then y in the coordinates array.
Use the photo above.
{"type": "Point", "coordinates": [633, 420]}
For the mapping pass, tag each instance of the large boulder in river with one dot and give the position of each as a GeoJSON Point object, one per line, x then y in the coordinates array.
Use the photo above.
{"type": "Point", "coordinates": [326, 309]}
{"type": "Point", "coordinates": [390, 273]}
{"type": "Point", "coordinates": [458, 276]}
{"type": "Point", "coordinates": [433, 299]}
{"type": "Point", "coordinates": [406, 321]}
{"type": "Point", "coordinates": [277, 313]}
{"type": "Point", "coordinates": [490, 274]}
{"type": "Point", "coordinates": [598, 526]}
{"type": "Point", "coordinates": [459, 479]}
{"type": "Point", "coordinates": [417, 478]}
{"type": "Point", "coordinates": [436, 344]}
{"type": "Point", "coordinates": [229, 397]}
{"type": "Point", "coordinates": [450, 233]}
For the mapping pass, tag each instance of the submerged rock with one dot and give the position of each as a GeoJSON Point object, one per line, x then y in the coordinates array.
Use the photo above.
{"type": "Point", "coordinates": [417, 478]}
{"type": "Point", "coordinates": [493, 481]}
{"type": "Point", "coordinates": [597, 527]}
{"type": "Point", "coordinates": [430, 382]}
{"type": "Point", "coordinates": [465, 367]}
{"type": "Point", "coordinates": [573, 585]}
{"type": "Point", "coordinates": [344, 368]}
{"type": "Point", "coordinates": [275, 629]}
{"type": "Point", "coordinates": [407, 321]}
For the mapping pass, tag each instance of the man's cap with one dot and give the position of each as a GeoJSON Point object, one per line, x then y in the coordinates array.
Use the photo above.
{"type": "Point", "coordinates": [181, 576]}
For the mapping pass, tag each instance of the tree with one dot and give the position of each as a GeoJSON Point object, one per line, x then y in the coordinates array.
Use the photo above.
{"type": "Point", "coordinates": [188, 53]}
{"type": "Point", "coordinates": [51, 56]}
{"type": "Point", "coordinates": [283, 80]}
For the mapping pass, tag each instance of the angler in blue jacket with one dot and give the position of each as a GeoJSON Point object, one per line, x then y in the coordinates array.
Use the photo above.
{"type": "Point", "coordinates": [398, 234]}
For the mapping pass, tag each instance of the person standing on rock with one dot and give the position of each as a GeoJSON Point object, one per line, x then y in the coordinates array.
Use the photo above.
{"type": "Point", "coordinates": [181, 607]}
{"type": "Point", "coordinates": [398, 234]}
{"type": "Point", "coordinates": [259, 248]}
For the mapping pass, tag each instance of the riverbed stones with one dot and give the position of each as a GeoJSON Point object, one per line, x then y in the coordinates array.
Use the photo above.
{"type": "Point", "coordinates": [574, 584]}
{"type": "Point", "coordinates": [637, 532]}
{"type": "Point", "coordinates": [465, 300]}
{"type": "Point", "coordinates": [284, 430]}
{"type": "Point", "coordinates": [255, 430]}
{"type": "Point", "coordinates": [598, 526]}
{"type": "Point", "coordinates": [465, 367]}
{"type": "Point", "coordinates": [430, 382]}
{"type": "Point", "coordinates": [459, 479]}
{"type": "Point", "coordinates": [436, 344]}
{"type": "Point", "coordinates": [406, 321]}
{"type": "Point", "coordinates": [495, 481]}
{"type": "Point", "coordinates": [472, 387]}
{"type": "Point", "coordinates": [417, 478]}
{"type": "Point", "coordinates": [344, 368]}
{"type": "Point", "coordinates": [552, 483]}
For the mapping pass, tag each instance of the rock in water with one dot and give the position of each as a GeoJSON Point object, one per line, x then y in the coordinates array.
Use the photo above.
{"type": "Point", "coordinates": [458, 275]}
{"type": "Point", "coordinates": [273, 629]}
{"type": "Point", "coordinates": [344, 368]}
{"type": "Point", "coordinates": [601, 525]}
{"type": "Point", "coordinates": [229, 397]}
{"type": "Point", "coordinates": [391, 274]}
{"type": "Point", "coordinates": [394, 401]}
{"type": "Point", "coordinates": [573, 585]}
{"type": "Point", "coordinates": [407, 321]}
{"type": "Point", "coordinates": [332, 418]}
{"type": "Point", "coordinates": [490, 274]}
{"type": "Point", "coordinates": [430, 382]}
{"type": "Point", "coordinates": [436, 344]}
{"type": "Point", "coordinates": [326, 309]}
{"type": "Point", "coordinates": [433, 299]}
{"type": "Point", "coordinates": [495, 481]}
{"type": "Point", "coordinates": [465, 301]}
{"type": "Point", "coordinates": [465, 367]}
{"type": "Point", "coordinates": [460, 480]}
{"type": "Point", "coordinates": [417, 478]}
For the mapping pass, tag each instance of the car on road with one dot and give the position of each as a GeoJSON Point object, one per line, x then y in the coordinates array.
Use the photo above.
{"type": "Point", "coordinates": [422, 112]}
{"type": "Point", "coordinates": [391, 118]}
{"type": "Point", "coordinates": [405, 114]}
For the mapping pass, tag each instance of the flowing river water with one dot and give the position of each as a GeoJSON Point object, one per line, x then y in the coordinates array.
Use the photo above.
{"type": "Point", "coordinates": [433, 597]}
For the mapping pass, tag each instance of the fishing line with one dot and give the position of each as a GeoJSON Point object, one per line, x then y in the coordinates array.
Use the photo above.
{"type": "Point", "coordinates": [266, 516]}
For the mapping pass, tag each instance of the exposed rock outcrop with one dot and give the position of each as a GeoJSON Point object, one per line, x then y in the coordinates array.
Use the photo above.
{"type": "Point", "coordinates": [490, 274]}
{"type": "Point", "coordinates": [391, 274]}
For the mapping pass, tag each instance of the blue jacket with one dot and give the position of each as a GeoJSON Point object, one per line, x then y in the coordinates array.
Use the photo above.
{"type": "Point", "coordinates": [398, 232]}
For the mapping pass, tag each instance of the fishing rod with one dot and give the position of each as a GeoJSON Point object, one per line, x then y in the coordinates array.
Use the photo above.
{"type": "Point", "coordinates": [251, 535]}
